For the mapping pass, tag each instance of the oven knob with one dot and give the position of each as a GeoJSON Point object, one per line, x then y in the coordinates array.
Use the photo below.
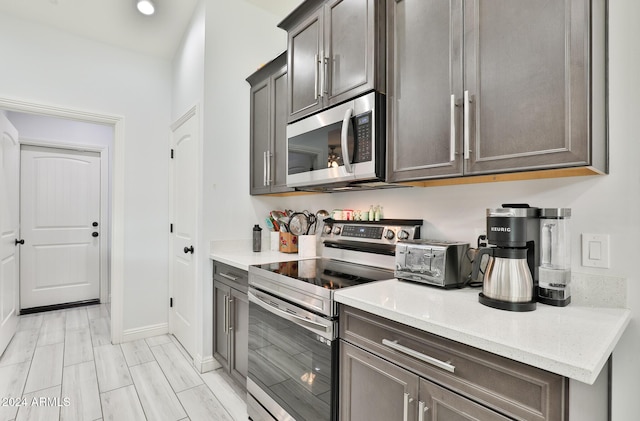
{"type": "Point", "coordinates": [327, 229]}
{"type": "Point", "coordinates": [403, 235]}
{"type": "Point", "coordinates": [336, 230]}
{"type": "Point", "coordinates": [389, 235]}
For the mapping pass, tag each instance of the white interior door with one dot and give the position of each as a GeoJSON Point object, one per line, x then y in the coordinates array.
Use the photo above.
{"type": "Point", "coordinates": [59, 216]}
{"type": "Point", "coordinates": [9, 230]}
{"type": "Point", "coordinates": [183, 213]}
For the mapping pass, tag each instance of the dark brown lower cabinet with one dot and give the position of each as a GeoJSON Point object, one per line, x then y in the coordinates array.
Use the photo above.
{"type": "Point", "coordinates": [389, 371]}
{"type": "Point", "coordinates": [375, 389]}
{"type": "Point", "coordinates": [231, 320]}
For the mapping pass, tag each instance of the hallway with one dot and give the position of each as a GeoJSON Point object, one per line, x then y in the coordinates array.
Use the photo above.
{"type": "Point", "coordinates": [61, 366]}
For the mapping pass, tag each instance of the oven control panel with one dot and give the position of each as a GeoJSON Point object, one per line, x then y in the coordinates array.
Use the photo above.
{"type": "Point", "coordinates": [386, 231]}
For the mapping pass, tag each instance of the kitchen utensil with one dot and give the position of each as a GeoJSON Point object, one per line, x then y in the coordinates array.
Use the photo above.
{"type": "Point", "coordinates": [555, 257]}
{"type": "Point", "coordinates": [299, 223]}
{"type": "Point", "coordinates": [269, 224]}
{"type": "Point", "coordinates": [511, 272]}
{"type": "Point", "coordinates": [276, 225]}
{"type": "Point", "coordinates": [283, 221]}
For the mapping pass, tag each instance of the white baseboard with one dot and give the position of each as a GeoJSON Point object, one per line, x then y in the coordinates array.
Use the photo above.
{"type": "Point", "coordinates": [145, 332]}
{"type": "Point", "coordinates": [206, 364]}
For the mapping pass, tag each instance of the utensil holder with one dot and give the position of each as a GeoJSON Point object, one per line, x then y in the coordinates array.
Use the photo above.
{"type": "Point", "coordinates": [288, 242]}
{"type": "Point", "coordinates": [307, 246]}
{"type": "Point", "coordinates": [274, 240]}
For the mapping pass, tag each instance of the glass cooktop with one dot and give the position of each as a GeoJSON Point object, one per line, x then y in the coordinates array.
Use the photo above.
{"type": "Point", "coordinates": [328, 273]}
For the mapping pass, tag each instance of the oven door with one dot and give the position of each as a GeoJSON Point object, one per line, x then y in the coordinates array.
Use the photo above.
{"type": "Point", "coordinates": [340, 144]}
{"type": "Point", "coordinates": [292, 360]}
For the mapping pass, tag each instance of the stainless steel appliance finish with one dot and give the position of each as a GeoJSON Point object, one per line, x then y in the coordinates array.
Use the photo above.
{"type": "Point", "coordinates": [510, 277]}
{"type": "Point", "coordinates": [344, 144]}
{"type": "Point", "coordinates": [293, 319]}
{"type": "Point", "coordinates": [439, 263]}
{"type": "Point", "coordinates": [507, 278]}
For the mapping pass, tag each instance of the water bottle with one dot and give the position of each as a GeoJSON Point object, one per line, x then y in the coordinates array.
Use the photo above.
{"type": "Point", "coordinates": [257, 238]}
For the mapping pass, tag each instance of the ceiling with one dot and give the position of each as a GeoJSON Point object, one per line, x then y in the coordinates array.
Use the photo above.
{"type": "Point", "coordinates": [118, 23]}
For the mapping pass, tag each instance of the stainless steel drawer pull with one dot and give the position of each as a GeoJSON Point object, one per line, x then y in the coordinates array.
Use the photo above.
{"type": "Point", "coordinates": [229, 277]}
{"type": "Point", "coordinates": [415, 354]}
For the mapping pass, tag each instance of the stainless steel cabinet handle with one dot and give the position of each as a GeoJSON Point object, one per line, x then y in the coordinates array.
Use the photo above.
{"type": "Point", "coordinates": [325, 75]}
{"type": "Point", "coordinates": [264, 168]}
{"type": "Point", "coordinates": [226, 313]}
{"type": "Point", "coordinates": [346, 159]}
{"type": "Point", "coordinates": [315, 78]}
{"type": "Point", "coordinates": [268, 168]}
{"type": "Point", "coordinates": [229, 324]}
{"type": "Point", "coordinates": [229, 277]}
{"type": "Point", "coordinates": [419, 355]}
{"type": "Point", "coordinates": [452, 152]}
{"type": "Point", "coordinates": [321, 66]}
{"type": "Point", "coordinates": [422, 408]}
{"type": "Point", "coordinates": [407, 400]}
{"type": "Point", "coordinates": [466, 124]}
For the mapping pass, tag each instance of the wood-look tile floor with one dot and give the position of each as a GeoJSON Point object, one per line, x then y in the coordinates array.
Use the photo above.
{"type": "Point", "coordinates": [61, 365]}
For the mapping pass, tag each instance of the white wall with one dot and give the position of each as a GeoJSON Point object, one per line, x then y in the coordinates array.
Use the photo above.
{"type": "Point", "coordinates": [605, 204]}
{"type": "Point", "coordinates": [49, 67]}
{"type": "Point", "coordinates": [240, 37]}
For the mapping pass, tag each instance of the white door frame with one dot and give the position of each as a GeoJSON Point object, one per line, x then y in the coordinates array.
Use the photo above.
{"type": "Point", "coordinates": [104, 200]}
{"type": "Point", "coordinates": [117, 193]}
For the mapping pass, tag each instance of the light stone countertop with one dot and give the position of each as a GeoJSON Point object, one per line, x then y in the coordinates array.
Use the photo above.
{"type": "Point", "coordinates": [239, 254]}
{"type": "Point", "coordinates": [574, 341]}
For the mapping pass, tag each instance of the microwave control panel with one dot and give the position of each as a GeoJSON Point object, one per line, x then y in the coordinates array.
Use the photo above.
{"type": "Point", "coordinates": [363, 141]}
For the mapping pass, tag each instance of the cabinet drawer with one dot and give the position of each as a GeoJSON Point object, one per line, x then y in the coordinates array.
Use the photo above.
{"type": "Point", "coordinates": [512, 388]}
{"type": "Point", "coordinates": [231, 276]}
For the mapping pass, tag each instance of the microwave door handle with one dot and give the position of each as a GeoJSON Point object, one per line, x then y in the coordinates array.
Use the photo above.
{"type": "Point", "coordinates": [346, 159]}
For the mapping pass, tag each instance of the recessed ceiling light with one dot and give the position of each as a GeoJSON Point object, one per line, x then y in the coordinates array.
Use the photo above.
{"type": "Point", "coordinates": [146, 7]}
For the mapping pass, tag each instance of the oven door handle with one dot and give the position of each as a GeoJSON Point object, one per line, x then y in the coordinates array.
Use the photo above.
{"type": "Point", "coordinates": [308, 324]}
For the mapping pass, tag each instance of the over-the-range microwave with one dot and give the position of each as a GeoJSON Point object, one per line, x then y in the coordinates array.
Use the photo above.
{"type": "Point", "coordinates": [341, 147]}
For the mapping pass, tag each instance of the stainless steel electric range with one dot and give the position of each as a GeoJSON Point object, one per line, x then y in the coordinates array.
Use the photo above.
{"type": "Point", "coordinates": [293, 318]}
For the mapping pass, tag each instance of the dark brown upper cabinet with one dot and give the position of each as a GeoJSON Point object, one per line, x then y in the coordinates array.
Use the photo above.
{"type": "Point", "coordinates": [495, 86]}
{"type": "Point", "coordinates": [336, 51]}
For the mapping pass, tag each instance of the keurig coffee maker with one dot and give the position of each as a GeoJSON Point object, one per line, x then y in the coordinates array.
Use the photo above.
{"type": "Point", "coordinates": [511, 275]}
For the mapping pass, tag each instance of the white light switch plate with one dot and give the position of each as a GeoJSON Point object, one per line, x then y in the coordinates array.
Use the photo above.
{"type": "Point", "coordinates": [595, 250]}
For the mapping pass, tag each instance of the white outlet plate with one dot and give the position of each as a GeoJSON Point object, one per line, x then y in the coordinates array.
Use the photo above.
{"type": "Point", "coordinates": [595, 250]}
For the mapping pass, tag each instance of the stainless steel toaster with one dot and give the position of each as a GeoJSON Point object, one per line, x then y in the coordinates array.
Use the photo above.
{"type": "Point", "coordinates": [440, 263]}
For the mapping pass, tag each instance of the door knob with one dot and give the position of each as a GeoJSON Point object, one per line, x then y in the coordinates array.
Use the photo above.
{"type": "Point", "coordinates": [19, 241]}
{"type": "Point", "coordinates": [94, 234]}
{"type": "Point", "coordinates": [95, 224]}
{"type": "Point", "coordinates": [188, 249]}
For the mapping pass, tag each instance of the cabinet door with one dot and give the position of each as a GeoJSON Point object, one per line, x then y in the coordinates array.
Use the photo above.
{"type": "Point", "coordinates": [439, 404]}
{"type": "Point", "coordinates": [239, 329]}
{"type": "Point", "coordinates": [259, 135]}
{"type": "Point", "coordinates": [221, 296]}
{"type": "Point", "coordinates": [349, 49]}
{"type": "Point", "coordinates": [373, 389]}
{"type": "Point", "coordinates": [424, 71]}
{"type": "Point", "coordinates": [304, 53]}
{"type": "Point", "coordinates": [527, 76]}
{"type": "Point", "coordinates": [279, 132]}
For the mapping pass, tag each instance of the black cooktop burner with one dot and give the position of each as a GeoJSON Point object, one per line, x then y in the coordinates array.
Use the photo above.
{"type": "Point", "coordinates": [328, 273]}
